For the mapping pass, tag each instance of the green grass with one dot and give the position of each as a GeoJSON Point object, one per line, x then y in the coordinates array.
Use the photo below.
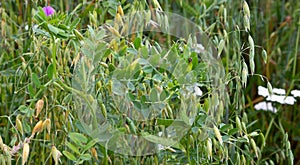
{"type": "Point", "coordinates": [68, 60]}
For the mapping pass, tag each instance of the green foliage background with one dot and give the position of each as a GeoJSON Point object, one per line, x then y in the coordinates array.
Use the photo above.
{"type": "Point", "coordinates": [40, 65]}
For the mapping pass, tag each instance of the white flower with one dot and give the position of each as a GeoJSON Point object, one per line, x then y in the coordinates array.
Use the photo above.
{"type": "Point", "coordinates": [198, 91]}
{"type": "Point", "coordinates": [295, 93]}
{"type": "Point", "coordinates": [199, 48]}
{"type": "Point", "coordinates": [160, 147]}
{"type": "Point", "coordinates": [282, 99]}
{"type": "Point", "coordinates": [265, 106]}
{"type": "Point", "coordinates": [279, 91]}
{"type": "Point", "coordinates": [160, 133]}
{"type": "Point", "coordinates": [262, 91]}
{"type": "Point", "coordinates": [26, 27]}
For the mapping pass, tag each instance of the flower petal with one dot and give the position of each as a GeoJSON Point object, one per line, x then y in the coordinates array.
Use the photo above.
{"type": "Point", "coordinates": [48, 10]}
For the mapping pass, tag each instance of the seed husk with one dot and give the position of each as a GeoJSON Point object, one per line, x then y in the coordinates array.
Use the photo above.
{"type": "Point", "coordinates": [25, 153]}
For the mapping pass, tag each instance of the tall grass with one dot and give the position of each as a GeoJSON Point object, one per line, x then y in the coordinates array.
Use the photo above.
{"type": "Point", "coordinates": [36, 63]}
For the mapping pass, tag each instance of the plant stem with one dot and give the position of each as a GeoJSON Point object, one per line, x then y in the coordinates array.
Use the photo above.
{"type": "Point", "coordinates": [296, 50]}
{"type": "Point", "coordinates": [54, 57]}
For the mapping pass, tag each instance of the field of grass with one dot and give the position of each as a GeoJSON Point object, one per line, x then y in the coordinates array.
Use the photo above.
{"type": "Point", "coordinates": [149, 82]}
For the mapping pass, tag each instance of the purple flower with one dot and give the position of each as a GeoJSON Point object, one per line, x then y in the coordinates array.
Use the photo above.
{"type": "Point", "coordinates": [48, 10]}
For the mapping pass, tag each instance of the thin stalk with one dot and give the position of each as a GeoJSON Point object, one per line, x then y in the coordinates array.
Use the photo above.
{"type": "Point", "coordinates": [188, 149]}
{"type": "Point", "coordinates": [296, 50]}
{"type": "Point", "coordinates": [54, 57]}
{"type": "Point", "coordinates": [295, 58]}
{"type": "Point", "coordinates": [266, 137]}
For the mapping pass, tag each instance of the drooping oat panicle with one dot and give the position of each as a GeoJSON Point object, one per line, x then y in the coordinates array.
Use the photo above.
{"type": "Point", "coordinates": [25, 153]}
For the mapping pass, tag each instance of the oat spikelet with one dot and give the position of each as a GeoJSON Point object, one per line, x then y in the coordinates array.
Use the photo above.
{"type": "Point", "coordinates": [209, 147]}
{"type": "Point", "coordinates": [218, 135]}
{"type": "Point", "coordinates": [39, 106]}
{"type": "Point", "coordinates": [47, 125]}
{"type": "Point", "coordinates": [19, 125]}
{"type": "Point", "coordinates": [246, 9]}
{"type": "Point", "coordinates": [1, 143]}
{"type": "Point", "coordinates": [94, 153]}
{"type": "Point", "coordinates": [55, 154]}
{"type": "Point", "coordinates": [120, 10]}
{"type": "Point", "coordinates": [25, 153]}
{"type": "Point", "coordinates": [37, 128]}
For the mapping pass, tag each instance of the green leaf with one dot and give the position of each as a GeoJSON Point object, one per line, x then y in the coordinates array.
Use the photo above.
{"type": "Point", "coordinates": [23, 109]}
{"type": "Point", "coordinates": [137, 43]}
{"type": "Point", "coordinates": [132, 51]}
{"type": "Point", "coordinates": [154, 95]}
{"type": "Point", "coordinates": [35, 79]}
{"type": "Point", "coordinates": [142, 61]}
{"type": "Point", "coordinates": [157, 77]}
{"type": "Point", "coordinates": [221, 47]}
{"type": "Point", "coordinates": [147, 69]}
{"type": "Point", "coordinates": [54, 29]}
{"type": "Point", "coordinates": [144, 52]}
{"type": "Point", "coordinates": [77, 137]}
{"type": "Point", "coordinates": [40, 17]}
{"type": "Point", "coordinates": [69, 155]}
{"type": "Point", "coordinates": [50, 71]}
{"type": "Point", "coordinates": [243, 140]}
{"type": "Point", "coordinates": [165, 122]}
{"type": "Point", "coordinates": [75, 23]}
{"type": "Point", "coordinates": [226, 127]}
{"type": "Point", "coordinates": [90, 145]}
{"type": "Point", "coordinates": [72, 147]}
{"type": "Point", "coordinates": [130, 86]}
{"type": "Point", "coordinates": [233, 131]}
{"type": "Point", "coordinates": [158, 140]}
{"type": "Point", "coordinates": [85, 157]}
{"type": "Point", "coordinates": [154, 59]}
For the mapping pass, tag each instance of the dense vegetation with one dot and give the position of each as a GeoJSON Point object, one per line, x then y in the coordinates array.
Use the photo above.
{"type": "Point", "coordinates": [90, 83]}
